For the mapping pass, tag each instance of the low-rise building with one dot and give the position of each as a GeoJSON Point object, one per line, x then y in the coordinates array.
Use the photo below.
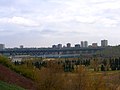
{"type": "Point", "coordinates": [77, 45]}
{"type": "Point", "coordinates": [94, 45]}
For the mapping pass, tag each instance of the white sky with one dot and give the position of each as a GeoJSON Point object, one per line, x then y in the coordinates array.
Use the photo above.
{"type": "Point", "coordinates": [42, 23]}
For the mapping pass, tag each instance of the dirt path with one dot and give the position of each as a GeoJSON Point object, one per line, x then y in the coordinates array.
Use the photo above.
{"type": "Point", "coordinates": [11, 77]}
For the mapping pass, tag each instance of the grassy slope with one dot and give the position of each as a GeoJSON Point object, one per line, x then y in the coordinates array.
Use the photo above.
{"type": "Point", "coordinates": [10, 76]}
{"type": "Point", "coordinates": [5, 86]}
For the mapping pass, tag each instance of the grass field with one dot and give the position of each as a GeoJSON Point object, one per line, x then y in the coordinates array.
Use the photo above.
{"type": "Point", "coordinates": [5, 86]}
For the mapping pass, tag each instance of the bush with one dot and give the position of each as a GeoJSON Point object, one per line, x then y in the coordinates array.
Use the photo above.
{"type": "Point", "coordinates": [5, 61]}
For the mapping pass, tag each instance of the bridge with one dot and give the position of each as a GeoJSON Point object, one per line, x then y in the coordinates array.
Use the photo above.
{"type": "Point", "coordinates": [50, 52]}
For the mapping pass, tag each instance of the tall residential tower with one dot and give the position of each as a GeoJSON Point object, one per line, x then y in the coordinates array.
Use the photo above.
{"type": "Point", "coordinates": [104, 43]}
{"type": "Point", "coordinates": [84, 43]}
{"type": "Point", "coordinates": [2, 46]}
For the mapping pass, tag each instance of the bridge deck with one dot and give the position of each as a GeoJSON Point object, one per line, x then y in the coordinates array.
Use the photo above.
{"type": "Point", "coordinates": [50, 52]}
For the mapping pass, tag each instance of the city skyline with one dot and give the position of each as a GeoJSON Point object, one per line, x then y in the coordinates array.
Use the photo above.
{"type": "Point", "coordinates": [42, 23]}
{"type": "Point", "coordinates": [82, 44]}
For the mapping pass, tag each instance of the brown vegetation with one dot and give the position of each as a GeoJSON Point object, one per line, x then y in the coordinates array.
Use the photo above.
{"type": "Point", "coordinates": [53, 77]}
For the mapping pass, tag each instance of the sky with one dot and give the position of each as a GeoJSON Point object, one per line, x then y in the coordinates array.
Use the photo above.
{"type": "Point", "coordinates": [42, 23]}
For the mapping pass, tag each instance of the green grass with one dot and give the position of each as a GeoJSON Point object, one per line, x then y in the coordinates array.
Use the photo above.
{"type": "Point", "coordinates": [5, 86]}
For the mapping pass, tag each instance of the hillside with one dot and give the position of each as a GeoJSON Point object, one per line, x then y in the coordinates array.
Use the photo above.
{"type": "Point", "coordinates": [5, 86]}
{"type": "Point", "coordinates": [13, 78]}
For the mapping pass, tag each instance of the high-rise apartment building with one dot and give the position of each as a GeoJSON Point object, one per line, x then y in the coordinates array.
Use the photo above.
{"type": "Point", "coordinates": [84, 44]}
{"type": "Point", "coordinates": [104, 43]}
{"type": "Point", "coordinates": [2, 46]}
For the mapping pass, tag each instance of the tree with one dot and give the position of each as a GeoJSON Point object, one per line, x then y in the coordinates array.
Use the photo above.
{"type": "Point", "coordinates": [50, 77]}
{"type": "Point", "coordinates": [95, 64]}
{"type": "Point", "coordinates": [81, 80]}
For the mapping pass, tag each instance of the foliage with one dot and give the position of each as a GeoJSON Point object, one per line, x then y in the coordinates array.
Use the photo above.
{"type": "Point", "coordinates": [25, 70]}
{"type": "Point", "coordinates": [50, 77]}
{"type": "Point", "coordinates": [53, 77]}
{"type": "Point", "coordinates": [5, 61]}
{"type": "Point", "coordinates": [111, 51]}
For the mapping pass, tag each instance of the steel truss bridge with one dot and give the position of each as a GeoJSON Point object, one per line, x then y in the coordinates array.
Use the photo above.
{"type": "Point", "coordinates": [50, 52]}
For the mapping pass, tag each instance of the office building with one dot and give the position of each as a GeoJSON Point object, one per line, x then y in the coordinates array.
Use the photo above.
{"type": "Point", "coordinates": [104, 43]}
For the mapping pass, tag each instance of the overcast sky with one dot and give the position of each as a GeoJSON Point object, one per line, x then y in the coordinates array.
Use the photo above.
{"type": "Point", "coordinates": [42, 23]}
